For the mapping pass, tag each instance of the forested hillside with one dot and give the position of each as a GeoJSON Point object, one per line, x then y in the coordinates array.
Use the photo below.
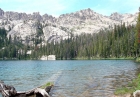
{"type": "Point", "coordinates": [121, 41]}
{"type": "Point", "coordinates": [105, 44]}
{"type": "Point", "coordinates": [116, 43]}
{"type": "Point", "coordinates": [9, 49]}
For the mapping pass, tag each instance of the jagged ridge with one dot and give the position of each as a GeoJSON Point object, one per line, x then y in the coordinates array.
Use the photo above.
{"type": "Point", "coordinates": [26, 26]}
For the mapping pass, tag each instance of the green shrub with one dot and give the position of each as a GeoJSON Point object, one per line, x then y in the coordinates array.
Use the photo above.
{"type": "Point", "coordinates": [47, 84]}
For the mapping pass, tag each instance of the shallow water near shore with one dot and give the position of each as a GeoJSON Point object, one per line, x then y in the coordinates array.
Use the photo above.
{"type": "Point", "coordinates": [76, 78]}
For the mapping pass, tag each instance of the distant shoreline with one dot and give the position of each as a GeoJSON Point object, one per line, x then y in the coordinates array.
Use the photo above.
{"type": "Point", "coordinates": [81, 58]}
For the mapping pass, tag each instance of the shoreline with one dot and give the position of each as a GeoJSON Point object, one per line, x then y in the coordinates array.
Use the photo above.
{"type": "Point", "coordinates": [81, 58]}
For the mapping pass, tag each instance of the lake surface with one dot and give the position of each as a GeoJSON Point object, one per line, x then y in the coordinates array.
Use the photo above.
{"type": "Point", "coordinates": [77, 78]}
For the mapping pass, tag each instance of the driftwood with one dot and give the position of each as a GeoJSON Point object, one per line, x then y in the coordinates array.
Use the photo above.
{"type": "Point", "coordinates": [136, 93]}
{"type": "Point", "coordinates": [10, 91]}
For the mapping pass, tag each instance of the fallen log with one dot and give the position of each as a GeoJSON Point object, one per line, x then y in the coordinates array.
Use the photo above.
{"type": "Point", "coordinates": [10, 91]}
{"type": "Point", "coordinates": [42, 92]}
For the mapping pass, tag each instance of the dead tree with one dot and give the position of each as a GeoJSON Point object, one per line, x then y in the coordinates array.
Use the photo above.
{"type": "Point", "coordinates": [10, 91]}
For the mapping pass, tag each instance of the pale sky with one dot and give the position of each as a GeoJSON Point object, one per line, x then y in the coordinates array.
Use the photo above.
{"type": "Point", "coordinates": [58, 7]}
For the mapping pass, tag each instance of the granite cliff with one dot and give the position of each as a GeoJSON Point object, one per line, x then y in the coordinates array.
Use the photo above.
{"type": "Point", "coordinates": [26, 27]}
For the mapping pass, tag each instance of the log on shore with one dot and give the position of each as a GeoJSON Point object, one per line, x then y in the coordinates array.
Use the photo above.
{"type": "Point", "coordinates": [10, 91]}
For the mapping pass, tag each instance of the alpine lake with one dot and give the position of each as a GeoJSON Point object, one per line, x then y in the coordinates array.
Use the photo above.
{"type": "Point", "coordinates": [71, 78]}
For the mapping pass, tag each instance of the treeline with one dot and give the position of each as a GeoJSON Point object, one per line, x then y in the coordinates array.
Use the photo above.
{"type": "Point", "coordinates": [122, 41]}
{"type": "Point", "coordinates": [10, 49]}
{"type": "Point", "coordinates": [116, 43]}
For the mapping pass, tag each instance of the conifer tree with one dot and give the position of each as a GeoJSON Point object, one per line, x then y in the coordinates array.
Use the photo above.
{"type": "Point", "coordinates": [137, 37]}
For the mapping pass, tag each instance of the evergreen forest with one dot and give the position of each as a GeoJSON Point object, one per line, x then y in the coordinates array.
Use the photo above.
{"type": "Point", "coordinates": [123, 41]}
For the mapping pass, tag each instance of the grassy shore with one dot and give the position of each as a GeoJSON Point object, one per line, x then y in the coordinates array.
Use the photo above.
{"type": "Point", "coordinates": [97, 58]}
{"type": "Point", "coordinates": [130, 88]}
{"type": "Point", "coordinates": [138, 59]}
{"type": "Point", "coordinates": [47, 84]}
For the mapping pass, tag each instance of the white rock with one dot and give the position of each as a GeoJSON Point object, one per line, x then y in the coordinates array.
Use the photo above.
{"type": "Point", "coordinates": [136, 93]}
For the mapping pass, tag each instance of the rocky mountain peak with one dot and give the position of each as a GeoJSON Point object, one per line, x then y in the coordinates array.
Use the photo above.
{"type": "Point", "coordinates": [36, 16]}
{"type": "Point", "coordinates": [48, 18]}
{"type": "Point", "coordinates": [81, 13]}
{"type": "Point", "coordinates": [1, 12]}
{"type": "Point", "coordinates": [10, 15]}
{"type": "Point", "coordinates": [79, 17]}
{"type": "Point", "coordinates": [87, 11]}
{"type": "Point", "coordinates": [116, 16]}
{"type": "Point", "coordinates": [54, 29]}
{"type": "Point", "coordinates": [121, 17]}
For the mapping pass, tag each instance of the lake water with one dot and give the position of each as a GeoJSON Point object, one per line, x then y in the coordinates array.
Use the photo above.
{"type": "Point", "coordinates": [77, 78]}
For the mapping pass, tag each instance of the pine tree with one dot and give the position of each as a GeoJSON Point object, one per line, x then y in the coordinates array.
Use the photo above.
{"type": "Point", "coordinates": [137, 35]}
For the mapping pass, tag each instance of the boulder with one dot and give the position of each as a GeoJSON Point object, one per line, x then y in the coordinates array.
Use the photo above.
{"type": "Point", "coordinates": [136, 93]}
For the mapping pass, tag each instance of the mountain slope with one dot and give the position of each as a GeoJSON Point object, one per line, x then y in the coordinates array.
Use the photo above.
{"type": "Point", "coordinates": [27, 26]}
